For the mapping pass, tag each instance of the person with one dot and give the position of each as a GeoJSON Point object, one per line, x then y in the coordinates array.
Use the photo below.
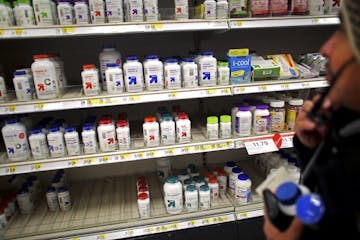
{"type": "Point", "coordinates": [329, 150]}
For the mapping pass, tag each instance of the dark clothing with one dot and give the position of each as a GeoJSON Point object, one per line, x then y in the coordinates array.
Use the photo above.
{"type": "Point", "coordinates": [335, 175]}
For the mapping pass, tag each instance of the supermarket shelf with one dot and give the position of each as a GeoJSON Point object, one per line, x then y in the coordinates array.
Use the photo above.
{"type": "Point", "coordinates": [286, 21]}
{"type": "Point", "coordinates": [73, 98]}
{"type": "Point", "coordinates": [164, 26]}
{"type": "Point", "coordinates": [199, 145]}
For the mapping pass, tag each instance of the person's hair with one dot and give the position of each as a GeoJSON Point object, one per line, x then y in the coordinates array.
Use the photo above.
{"type": "Point", "coordinates": [350, 15]}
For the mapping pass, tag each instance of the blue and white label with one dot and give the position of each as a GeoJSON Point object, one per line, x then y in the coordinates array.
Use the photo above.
{"type": "Point", "coordinates": [208, 74]}
{"type": "Point", "coordinates": [173, 78]}
{"type": "Point", "coordinates": [134, 79]}
{"type": "Point", "coordinates": [154, 77]}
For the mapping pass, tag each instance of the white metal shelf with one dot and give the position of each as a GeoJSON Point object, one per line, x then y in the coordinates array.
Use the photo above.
{"type": "Point", "coordinates": [199, 144]}
{"type": "Point", "coordinates": [73, 98]}
{"type": "Point", "coordinates": [164, 26]}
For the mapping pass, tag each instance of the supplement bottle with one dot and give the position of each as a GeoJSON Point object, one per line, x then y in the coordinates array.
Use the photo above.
{"type": "Point", "coordinates": [24, 201]}
{"type": "Point", "coordinates": [90, 80]}
{"type": "Point", "coordinates": [72, 141]}
{"type": "Point", "coordinates": [163, 168]}
{"type": "Point", "coordinates": [108, 55]}
{"type": "Point", "coordinates": [214, 190]}
{"type": "Point", "coordinates": [243, 189]}
{"type": "Point", "coordinates": [97, 11]}
{"type": "Point", "coordinates": [207, 69]}
{"type": "Point", "coordinates": [182, 176]}
{"type": "Point", "coordinates": [261, 120]}
{"type": "Point", "coordinates": [3, 91]}
{"type": "Point", "coordinates": [172, 73]}
{"type": "Point", "coordinates": [114, 78]}
{"type": "Point", "coordinates": [64, 199]}
{"type": "Point", "coordinates": [5, 20]}
{"type": "Point", "coordinates": [310, 209]}
{"type": "Point", "coordinates": [299, 7]}
{"type": "Point", "coordinates": [88, 136]}
{"type": "Point", "coordinates": [106, 134]}
{"type": "Point", "coordinates": [277, 116]}
{"type": "Point", "coordinates": [56, 142]}
{"type": "Point", "coordinates": [133, 75]}
{"type": "Point", "coordinates": [81, 11]}
{"type": "Point", "coordinates": [51, 199]}
{"type": "Point", "coordinates": [173, 195]}
{"type": "Point", "coordinates": [238, 8]}
{"type": "Point", "coordinates": [209, 9]}
{"type": "Point", "coordinates": [225, 126]}
{"type": "Point", "coordinates": [212, 128]}
{"type": "Point", "coordinates": [144, 205]}
{"type": "Point", "coordinates": [222, 9]}
{"type": "Point", "coordinates": [243, 121]}
{"type": "Point", "coordinates": [151, 132]}
{"type": "Point", "coordinates": [23, 86]}
{"type": "Point", "coordinates": [191, 198]}
{"type": "Point", "coordinates": [292, 112]}
{"type": "Point", "coordinates": [15, 139]}
{"type": "Point", "coordinates": [45, 77]}
{"type": "Point", "coordinates": [222, 180]}
{"type": "Point", "coordinates": [316, 7]}
{"type": "Point", "coordinates": [167, 127]}
{"type": "Point", "coordinates": [189, 73]}
{"type": "Point", "coordinates": [186, 183]}
{"type": "Point", "coordinates": [151, 10]}
{"type": "Point", "coordinates": [154, 73]}
{"type": "Point", "coordinates": [38, 144]}
{"type": "Point", "coordinates": [114, 11]}
{"type": "Point", "coordinates": [134, 11]}
{"type": "Point", "coordinates": [259, 8]}
{"type": "Point", "coordinates": [181, 10]}
{"type": "Point", "coordinates": [204, 197]}
{"type": "Point", "coordinates": [24, 14]}
{"type": "Point", "coordinates": [44, 12]}
{"type": "Point", "coordinates": [233, 178]}
{"type": "Point", "coordinates": [228, 167]}
{"type": "Point", "coordinates": [65, 12]}
{"type": "Point", "coordinates": [279, 7]}
{"type": "Point", "coordinates": [123, 134]}
{"type": "Point", "coordinates": [194, 172]}
{"type": "Point", "coordinates": [198, 182]}
{"type": "Point", "coordinates": [223, 73]}
{"type": "Point", "coordinates": [183, 129]}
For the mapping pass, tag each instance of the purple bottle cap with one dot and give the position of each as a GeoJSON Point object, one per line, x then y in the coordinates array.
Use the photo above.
{"type": "Point", "coordinates": [262, 107]}
{"type": "Point", "coordinates": [244, 108]}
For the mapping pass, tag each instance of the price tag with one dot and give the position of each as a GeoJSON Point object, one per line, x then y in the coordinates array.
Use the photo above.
{"type": "Point", "coordinates": [151, 154]}
{"type": "Point", "coordinates": [285, 86]}
{"type": "Point", "coordinates": [139, 155]}
{"type": "Point", "coordinates": [11, 169]}
{"type": "Point", "coordinates": [172, 95]}
{"type": "Point", "coordinates": [197, 148]}
{"type": "Point", "coordinates": [174, 226]}
{"type": "Point", "coordinates": [316, 20]}
{"type": "Point", "coordinates": [88, 161]}
{"type": "Point", "coordinates": [157, 26]}
{"type": "Point", "coordinates": [134, 98]}
{"type": "Point", "coordinates": [260, 146]}
{"type": "Point", "coordinates": [206, 221]}
{"type": "Point", "coordinates": [19, 32]}
{"type": "Point", "coordinates": [75, 238]}
{"type": "Point", "coordinates": [101, 236]}
{"type": "Point", "coordinates": [125, 156]}
{"type": "Point", "coordinates": [263, 88]}
{"type": "Point", "coordinates": [238, 23]}
{"type": "Point", "coordinates": [39, 106]}
{"type": "Point", "coordinates": [225, 91]}
{"type": "Point", "coordinates": [94, 101]}
{"type": "Point", "coordinates": [207, 147]}
{"type": "Point", "coordinates": [185, 149]}
{"type": "Point", "coordinates": [68, 30]}
{"type": "Point", "coordinates": [223, 219]}
{"type": "Point", "coordinates": [306, 85]}
{"type": "Point", "coordinates": [210, 92]}
{"type": "Point", "coordinates": [242, 215]}
{"type": "Point", "coordinates": [148, 230]}
{"type": "Point", "coordinates": [73, 162]}
{"type": "Point", "coordinates": [222, 145]}
{"type": "Point", "coordinates": [191, 223]}
{"type": "Point", "coordinates": [169, 151]}
{"type": "Point", "coordinates": [2, 32]}
{"type": "Point", "coordinates": [11, 108]}
{"type": "Point", "coordinates": [287, 142]}
{"type": "Point", "coordinates": [36, 167]}
{"type": "Point", "coordinates": [129, 233]}
{"type": "Point", "coordinates": [240, 89]}
{"type": "Point", "coordinates": [104, 159]}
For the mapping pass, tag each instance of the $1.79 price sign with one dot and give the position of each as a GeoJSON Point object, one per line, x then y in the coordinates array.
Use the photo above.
{"type": "Point", "coordinates": [258, 146]}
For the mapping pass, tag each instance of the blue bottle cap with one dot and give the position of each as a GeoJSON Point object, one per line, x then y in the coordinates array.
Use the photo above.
{"type": "Point", "coordinates": [23, 190]}
{"type": "Point", "coordinates": [243, 177]}
{"type": "Point", "coordinates": [236, 170]}
{"type": "Point", "coordinates": [171, 60]}
{"type": "Point", "coordinates": [187, 181]}
{"type": "Point", "coordinates": [88, 126]}
{"type": "Point", "coordinates": [191, 188]}
{"type": "Point", "coordinates": [11, 121]}
{"type": "Point", "coordinates": [51, 189]}
{"type": "Point", "coordinates": [62, 189]}
{"type": "Point", "coordinates": [54, 129]}
{"type": "Point", "coordinates": [172, 179]}
{"type": "Point", "coordinates": [35, 131]}
{"type": "Point", "coordinates": [197, 179]}
{"type": "Point", "coordinates": [167, 118]}
{"type": "Point", "coordinates": [230, 164]}
{"type": "Point", "coordinates": [204, 187]}
{"type": "Point", "coordinates": [152, 57]}
{"type": "Point", "coordinates": [310, 209]}
{"type": "Point", "coordinates": [207, 54]}
{"type": "Point", "coordinates": [183, 172]}
{"type": "Point", "coordinates": [132, 58]}
{"type": "Point", "coordinates": [189, 60]}
{"type": "Point", "coordinates": [19, 73]}
{"type": "Point", "coordinates": [112, 65]}
{"type": "Point", "coordinates": [70, 129]}
{"type": "Point", "coordinates": [288, 193]}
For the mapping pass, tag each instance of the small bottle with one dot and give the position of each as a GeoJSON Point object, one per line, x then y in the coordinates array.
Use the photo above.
{"type": "Point", "coordinates": [204, 197]}
{"type": "Point", "coordinates": [153, 73]}
{"type": "Point", "coordinates": [209, 9]}
{"type": "Point", "coordinates": [65, 12]}
{"type": "Point", "coordinates": [90, 80]}
{"type": "Point", "coordinates": [223, 73]}
{"type": "Point", "coordinates": [151, 132]}
{"type": "Point", "coordinates": [133, 75]}
{"type": "Point", "coordinates": [261, 120]}
{"type": "Point", "coordinates": [181, 9]}
{"type": "Point", "coordinates": [144, 205]}
{"type": "Point", "coordinates": [24, 201]}
{"type": "Point", "coordinates": [167, 127]}
{"type": "Point", "coordinates": [243, 189]}
{"type": "Point", "coordinates": [243, 121]}
{"type": "Point", "coordinates": [214, 190]}
{"type": "Point", "coordinates": [44, 11]}
{"type": "Point", "coordinates": [228, 167]}
{"type": "Point", "coordinates": [72, 141]}
{"type": "Point", "coordinates": [173, 195]}
{"type": "Point", "coordinates": [222, 180]}
{"type": "Point", "coordinates": [182, 176]}
{"type": "Point", "coordinates": [172, 73]}
{"type": "Point", "coordinates": [38, 144]}
{"type": "Point", "coordinates": [114, 11]}
{"type": "Point", "coordinates": [114, 78]}
{"type": "Point", "coordinates": [3, 91]}
{"type": "Point", "coordinates": [316, 7]}
{"type": "Point", "coordinates": [97, 11]}
{"type": "Point", "coordinates": [233, 178]}
{"type": "Point", "coordinates": [81, 11]}
{"type": "Point", "coordinates": [151, 10]}
{"type": "Point", "coordinates": [292, 112]}
{"type": "Point", "coordinates": [134, 11]}
{"type": "Point", "coordinates": [56, 142]}
{"type": "Point", "coordinates": [212, 128]}
{"type": "Point", "coordinates": [198, 182]}
{"type": "Point", "coordinates": [51, 199]}
{"type": "Point", "coordinates": [88, 136]}
{"type": "Point", "coordinates": [24, 14]}
{"type": "Point", "coordinates": [277, 116]}
{"type": "Point", "coordinates": [207, 69]}
{"type": "Point", "coordinates": [191, 198]}
{"type": "Point", "coordinates": [189, 73]}
{"type": "Point", "coordinates": [106, 134]}
{"type": "Point", "coordinates": [222, 9]}
{"type": "Point", "coordinates": [225, 126]}
{"type": "Point", "coordinates": [123, 134]}
{"type": "Point", "coordinates": [183, 129]}
{"type": "Point", "coordinates": [310, 209]}
{"type": "Point", "coordinates": [163, 168]}
{"type": "Point", "coordinates": [64, 199]}
{"type": "Point", "coordinates": [23, 86]}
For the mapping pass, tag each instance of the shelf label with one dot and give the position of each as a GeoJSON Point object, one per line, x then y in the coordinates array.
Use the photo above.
{"type": "Point", "coordinates": [11, 108]}
{"type": "Point", "coordinates": [101, 236]}
{"type": "Point", "coordinates": [173, 95]}
{"type": "Point", "coordinates": [2, 32]}
{"type": "Point", "coordinates": [134, 98]}
{"type": "Point", "coordinates": [150, 154]}
{"type": "Point", "coordinates": [36, 167]}
{"type": "Point", "coordinates": [104, 159]}
{"type": "Point", "coordinates": [185, 149]}
{"type": "Point", "coordinates": [191, 223]}
{"type": "Point", "coordinates": [206, 221]}
{"type": "Point", "coordinates": [19, 32]}
{"type": "Point", "coordinates": [210, 92]}
{"type": "Point", "coordinates": [242, 215]}
{"type": "Point", "coordinates": [316, 20]}
{"type": "Point", "coordinates": [73, 162]}
{"type": "Point", "coordinates": [305, 85]}
{"type": "Point", "coordinates": [197, 148]}
{"type": "Point", "coordinates": [169, 151]}
{"type": "Point", "coordinates": [260, 146]}
{"type": "Point", "coordinates": [225, 91]}
{"type": "Point", "coordinates": [263, 88]}
{"type": "Point", "coordinates": [75, 238]}
{"type": "Point", "coordinates": [238, 23]}
{"type": "Point", "coordinates": [285, 86]}
{"type": "Point", "coordinates": [240, 90]}
{"type": "Point", "coordinates": [148, 230]}
{"type": "Point", "coordinates": [157, 26]}
{"type": "Point", "coordinates": [39, 106]}
{"type": "Point", "coordinates": [94, 101]}
{"type": "Point", "coordinates": [287, 142]}
{"type": "Point", "coordinates": [88, 161]}
{"type": "Point", "coordinates": [125, 156]}
{"type": "Point", "coordinates": [139, 155]}
{"type": "Point", "coordinates": [68, 30]}
{"type": "Point", "coordinates": [11, 169]}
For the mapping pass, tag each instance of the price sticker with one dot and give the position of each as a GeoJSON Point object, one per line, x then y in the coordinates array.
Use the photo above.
{"type": "Point", "coordinates": [191, 223]}
{"type": "Point", "coordinates": [186, 149]}
{"type": "Point", "coordinates": [75, 238]}
{"type": "Point", "coordinates": [223, 219]}
{"type": "Point", "coordinates": [129, 233]}
{"type": "Point", "coordinates": [151, 154]}
{"type": "Point", "coordinates": [263, 88]}
{"type": "Point", "coordinates": [19, 32]}
{"type": "Point", "coordinates": [11, 169]}
{"type": "Point", "coordinates": [174, 226]}
{"type": "Point", "coordinates": [169, 151]}
{"type": "Point", "coordinates": [104, 159]}
{"type": "Point", "coordinates": [36, 166]}
{"type": "Point", "coordinates": [210, 92]}
{"type": "Point", "coordinates": [11, 108]}
{"type": "Point", "coordinates": [285, 86]}
{"type": "Point", "coordinates": [242, 215]}
{"type": "Point", "coordinates": [134, 98]}
{"type": "Point", "coordinates": [2, 32]}
{"type": "Point", "coordinates": [125, 156]}
{"type": "Point", "coordinates": [68, 30]}
{"type": "Point", "coordinates": [316, 20]}
{"type": "Point", "coordinates": [225, 91]}
{"type": "Point", "coordinates": [94, 101]}
{"type": "Point", "coordinates": [238, 23]}
{"type": "Point", "coordinates": [157, 26]}
{"type": "Point", "coordinates": [260, 146]}
{"type": "Point", "coordinates": [306, 85]}
{"type": "Point", "coordinates": [207, 147]}
{"type": "Point", "coordinates": [197, 148]}
{"type": "Point", "coordinates": [88, 161]}
{"type": "Point", "coordinates": [172, 95]}
{"type": "Point", "coordinates": [222, 145]}
{"type": "Point", "coordinates": [287, 142]}
{"type": "Point", "coordinates": [148, 230]}
{"type": "Point", "coordinates": [158, 229]}
{"type": "Point", "coordinates": [139, 155]}
{"type": "Point", "coordinates": [73, 162]}
{"type": "Point", "coordinates": [101, 236]}
{"type": "Point", "coordinates": [39, 106]}
{"type": "Point", "coordinates": [206, 221]}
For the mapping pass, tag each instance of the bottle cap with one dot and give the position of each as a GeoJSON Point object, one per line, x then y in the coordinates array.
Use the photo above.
{"type": "Point", "coordinates": [62, 189]}
{"type": "Point", "coordinates": [187, 181]}
{"type": "Point", "coordinates": [172, 179]}
{"type": "Point", "coordinates": [88, 66]}
{"type": "Point", "coordinates": [310, 209]}
{"type": "Point", "coordinates": [167, 118]}
{"type": "Point", "coordinates": [88, 126]}
{"type": "Point", "coordinates": [70, 129]}
{"type": "Point", "coordinates": [204, 188]}
{"type": "Point", "coordinates": [230, 164]}
{"type": "Point", "coordinates": [288, 193]}
{"type": "Point", "coordinates": [212, 180]}
{"type": "Point", "coordinates": [212, 120]}
{"type": "Point", "coordinates": [35, 131]}
{"type": "Point", "coordinates": [121, 123]}
{"type": "Point", "coordinates": [150, 119]}
{"type": "Point", "coordinates": [11, 121]}
{"type": "Point", "coordinates": [105, 121]}
{"type": "Point", "coordinates": [244, 108]}
{"type": "Point", "coordinates": [143, 196]}
{"type": "Point", "coordinates": [243, 177]}
{"type": "Point", "coordinates": [189, 60]}
{"type": "Point", "coordinates": [191, 188]}
{"type": "Point", "coordinates": [51, 189]}
{"type": "Point", "coordinates": [19, 73]}
{"type": "Point", "coordinates": [152, 57]}
{"type": "Point", "coordinates": [54, 129]}
{"type": "Point", "coordinates": [40, 56]}
{"type": "Point", "coordinates": [262, 107]}
{"type": "Point", "coordinates": [225, 118]}
{"type": "Point", "coordinates": [207, 54]}
{"type": "Point", "coordinates": [112, 65]}
{"type": "Point", "coordinates": [132, 58]}
{"type": "Point", "coordinates": [236, 170]}
{"type": "Point", "coordinates": [223, 64]}
{"type": "Point", "coordinates": [296, 102]}
{"type": "Point", "coordinates": [171, 60]}
{"type": "Point", "coordinates": [277, 104]}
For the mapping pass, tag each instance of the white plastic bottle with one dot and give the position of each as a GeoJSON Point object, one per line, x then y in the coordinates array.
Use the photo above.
{"type": "Point", "coordinates": [5, 21]}
{"type": "Point", "coordinates": [151, 132]}
{"type": "Point", "coordinates": [189, 71]}
{"type": "Point", "coordinates": [3, 91]}
{"type": "Point", "coordinates": [23, 86]}
{"type": "Point", "coordinates": [51, 199]}
{"type": "Point", "coordinates": [151, 10]}
{"type": "Point", "coordinates": [222, 180]}
{"type": "Point", "coordinates": [97, 11]}
{"type": "Point", "coordinates": [106, 134]}
{"type": "Point", "coordinates": [243, 122]}
{"type": "Point", "coordinates": [154, 73]}
{"type": "Point", "coordinates": [225, 126]}
{"type": "Point", "coordinates": [65, 12]}
{"type": "Point", "coordinates": [209, 9]}
{"type": "Point", "coordinates": [183, 129]}
{"type": "Point", "coordinates": [261, 120]}
{"type": "Point", "coordinates": [223, 73]}
{"type": "Point", "coordinates": [81, 11]}
{"type": "Point", "coordinates": [135, 11]}
{"type": "Point", "coordinates": [56, 142]}
{"type": "Point", "coordinates": [44, 12]}
{"type": "Point", "coordinates": [243, 189]}
{"type": "Point", "coordinates": [222, 9]}
{"type": "Point", "coordinates": [214, 190]}
{"type": "Point", "coordinates": [228, 167]}
{"type": "Point", "coordinates": [90, 80]}
{"type": "Point", "coordinates": [212, 128]}
{"type": "Point", "coordinates": [114, 11]}
{"type": "Point", "coordinates": [207, 69]}
{"type": "Point", "coordinates": [167, 127]}
{"type": "Point", "coordinates": [181, 9]}
{"type": "Point", "coordinates": [15, 139]}
{"type": "Point", "coordinates": [64, 199]}
{"type": "Point", "coordinates": [123, 134]}
{"type": "Point", "coordinates": [204, 197]}
{"type": "Point", "coordinates": [72, 141]}
{"type": "Point", "coordinates": [38, 144]}
{"type": "Point", "coordinates": [172, 73]}
{"type": "Point", "coordinates": [24, 13]}
{"type": "Point", "coordinates": [45, 77]}
{"type": "Point", "coordinates": [24, 201]}
{"type": "Point", "coordinates": [233, 178]}
{"type": "Point", "coordinates": [10, 13]}
{"type": "Point", "coordinates": [183, 176]}
{"type": "Point", "coordinates": [133, 75]}
{"type": "Point", "coordinates": [109, 54]}
{"type": "Point", "coordinates": [191, 198]}
{"type": "Point", "coordinates": [88, 136]}
{"type": "Point", "coordinates": [114, 78]}
{"type": "Point", "coordinates": [173, 195]}
{"type": "Point", "coordinates": [144, 205]}
{"type": "Point", "coordinates": [316, 7]}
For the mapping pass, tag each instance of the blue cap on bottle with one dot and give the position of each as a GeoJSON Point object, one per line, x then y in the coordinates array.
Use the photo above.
{"type": "Point", "coordinates": [88, 126]}
{"type": "Point", "coordinates": [243, 177]}
{"type": "Point", "coordinates": [310, 209]}
{"type": "Point", "coordinates": [152, 57]}
{"type": "Point", "coordinates": [171, 60]}
{"type": "Point", "coordinates": [172, 179]}
{"type": "Point", "coordinates": [54, 129]}
{"type": "Point", "coordinates": [190, 188]}
{"type": "Point", "coordinates": [230, 164]}
{"type": "Point", "coordinates": [112, 65]}
{"type": "Point", "coordinates": [19, 73]}
{"type": "Point", "coordinates": [62, 189]}
{"type": "Point", "coordinates": [204, 187]}
{"type": "Point", "coordinates": [132, 58]}
{"type": "Point", "coordinates": [188, 60]}
{"type": "Point", "coordinates": [51, 189]}
{"type": "Point", "coordinates": [70, 129]}
{"type": "Point", "coordinates": [207, 54]}
{"type": "Point", "coordinates": [11, 121]}
{"type": "Point", "coordinates": [35, 131]}
{"type": "Point", "coordinates": [288, 193]}
{"type": "Point", "coordinates": [187, 181]}
{"type": "Point", "coordinates": [236, 170]}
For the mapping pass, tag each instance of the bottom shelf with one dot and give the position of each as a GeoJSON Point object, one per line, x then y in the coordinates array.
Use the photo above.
{"type": "Point", "coordinates": [107, 209]}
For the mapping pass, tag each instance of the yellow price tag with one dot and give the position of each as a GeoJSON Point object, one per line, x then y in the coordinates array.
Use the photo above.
{"type": "Point", "coordinates": [19, 32]}
{"type": "Point", "coordinates": [243, 215]}
{"type": "Point", "coordinates": [285, 86]}
{"type": "Point", "coordinates": [242, 89]}
{"type": "Point", "coordinates": [11, 169]}
{"type": "Point", "coordinates": [105, 159]}
{"type": "Point", "coordinates": [226, 90]}
{"type": "Point", "coordinates": [89, 161]}
{"type": "Point", "coordinates": [2, 32]}
{"type": "Point", "coordinates": [135, 98]}
{"type": "Point", "coordinates": [75, 238]}
{"type": "Point", "coordinates": [207, 220]}
{"type": "Point", "coordinates": [73, 162]}
{"type": "Point", "coordinates": [68, 30]}
{"type": "Point", "coordinates": [175, 225]}
{"type": "Point", "coordinates": [40, 106]}
{"type": "Point", "coordinates": [12, 108]}
{"type": "Point", "coordinates": [222, 145]}
{"type": "Point", "coordinates": [124, 156]}
{"type": "Point", "coordinates": [157, 26]}
{"type": "Point", "coordinates": [263, 88]}
{"type": "Point", "coordinates": [173, 95]}
{"type": "Point", "coordinates": [94, 101]}
{"type": "Point", "coordinates": [239, 23]}
{"type": "Point", "coordinates": [238, 52]}
{"type": "Point", "coordinates": [306, 84]}
{"type": "Point", "coordinates": [192, 223]}
{"type": "Point", "coordinates": [102, 236]}
{"type": "Point", "coordinates": [210, 91]}
{"type": "Point", "coordinates": [238, 73]}
{"type": "Point", "coordinates": [206, 147]}
{"type": "Point", "coordinates": [148, 230]}
{"type": "Point", "coordinates": [36, 166]}
{"type": "Point", "coordinates": [187, 149]}
{"type": "Point", "coordinates": [197, 148]}
{"type": "Point", "coordinates": [316, 20]}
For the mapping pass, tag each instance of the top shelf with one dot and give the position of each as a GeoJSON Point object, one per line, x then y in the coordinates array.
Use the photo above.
{"type": "Point", "coordinates": [165, 26]}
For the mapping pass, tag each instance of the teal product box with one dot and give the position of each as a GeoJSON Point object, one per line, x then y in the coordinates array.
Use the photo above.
{"type": "Point", "coordinates": [240, 65]}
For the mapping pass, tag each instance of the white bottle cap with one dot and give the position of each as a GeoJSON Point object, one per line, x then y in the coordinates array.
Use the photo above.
{"type": "Point", "coordinates": [277, 104]}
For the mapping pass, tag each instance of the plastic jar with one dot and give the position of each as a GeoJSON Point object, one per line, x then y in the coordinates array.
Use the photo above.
{"type": "Point", "coordinates": [292, 112]}
{"type": "Point", "coordinates": [235, 172]}
{"type": "Point", "coordinates": [106, 135]}
{"type": "Point", "coordinates": [238, 8]}
{"type": "Point", "coordinates": [167, 127]}
{"type": "Point", "coordinates": [154, 73]}
{"type": "Point", "coordinates": [279, 7]}
{"type": "Point", "coordinates": [243, 189]}
{"type": "Point", "coordinates": [3, 91]}
{"type": "Point", "coordinates": [88, 136]}
{"type": "Point", "coordinates": [114, 78]}
{"type": "Point", "coordinates": [24, 13]}
{"type": "Point", "coordinates": [51, 199]}
{"type": "Point", "coordinates": [243, 121]}
{"type": "Point", "coordinates": [56, 142]}
{"type": "Point", "coordinates": [151, 132]}
{"type": "Point", "coordinates": [223, 73]}
{"type": "Point", "coordinates": [108, 55]}
{"type": "Point", "coordinates": [277, 116]}
{"type": "Point", "coordinates": [24, 201]}
{"type": "Point", "coordinates": [134, 11]}
{"type": "Point", "coordinates": [186, 183]}
{"type": "Point", "coordinates": [81, 11]}
{"type": "Point", "coordinates": [299, 7]}
{"type": "Point", "coordinates": [191, 198]}
{"type": "Point", "coordinates": [214, 190]}
{"type": "Point", "coordinates": [72, 141]}
{"type": "Point", "coordinates": [222, 180]}
{"type": "Point", "coordinates": [259, 7]}
{"type": "Point", "coordinates": [181, 9]}
{"type": "Point", "coordinates": [198, 182]}
{"type": "Point", "coordinates": [114, 11]}
{"type": "Point", "coordinates": [64, 199]}
{"type": "Point", "coordinates": [44, 11]}
{"type": "Point", "coordinates": [183, 129]}
{"type": "Point", "coordinates": [182, 176]}
{"type": "Point", "coordinates": [222, 9]}
{"type": "Point", "coordinates": [23, 86]}
{"type": "Point", "coordinates": [172, 73]}
{"type": "Point", "coordinates": [316, 7]}
{"type": "Point", "coordinates": [123, 134]}
{"type": "Point", "coordinates": [173, 195]}
{"type": "Point", "coordinates": [90, 80]}
{"type": "Point", "coordinates": [228, 167]}
{"type": "Point", "coordinates": [204, 197]}
{"type": "Point", "coordinates": [65, 12]}
{"type": "Point", "coordinates": [207, 69]}
{"type": "Point", "coordinates": [209, 9]}
{"type": "Point", "coordinates": [97, 11]}
{"type": "Point", "coordinates": [261, 120]}
{"type": "Point", "coordinates": [38, 144]}
{"type": "Point", "coordinates": [144, 205]}
{"type": "Point", "coordinates": [189, 73]}
{"type": "Point", "coordinates": [151, 10]}
{"type": "Point", "coordinates": [225, 126]}
{"type": "Point", "coordinates": [212, 128]}
{"type": "Point", "coordinates": [133, 75]}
